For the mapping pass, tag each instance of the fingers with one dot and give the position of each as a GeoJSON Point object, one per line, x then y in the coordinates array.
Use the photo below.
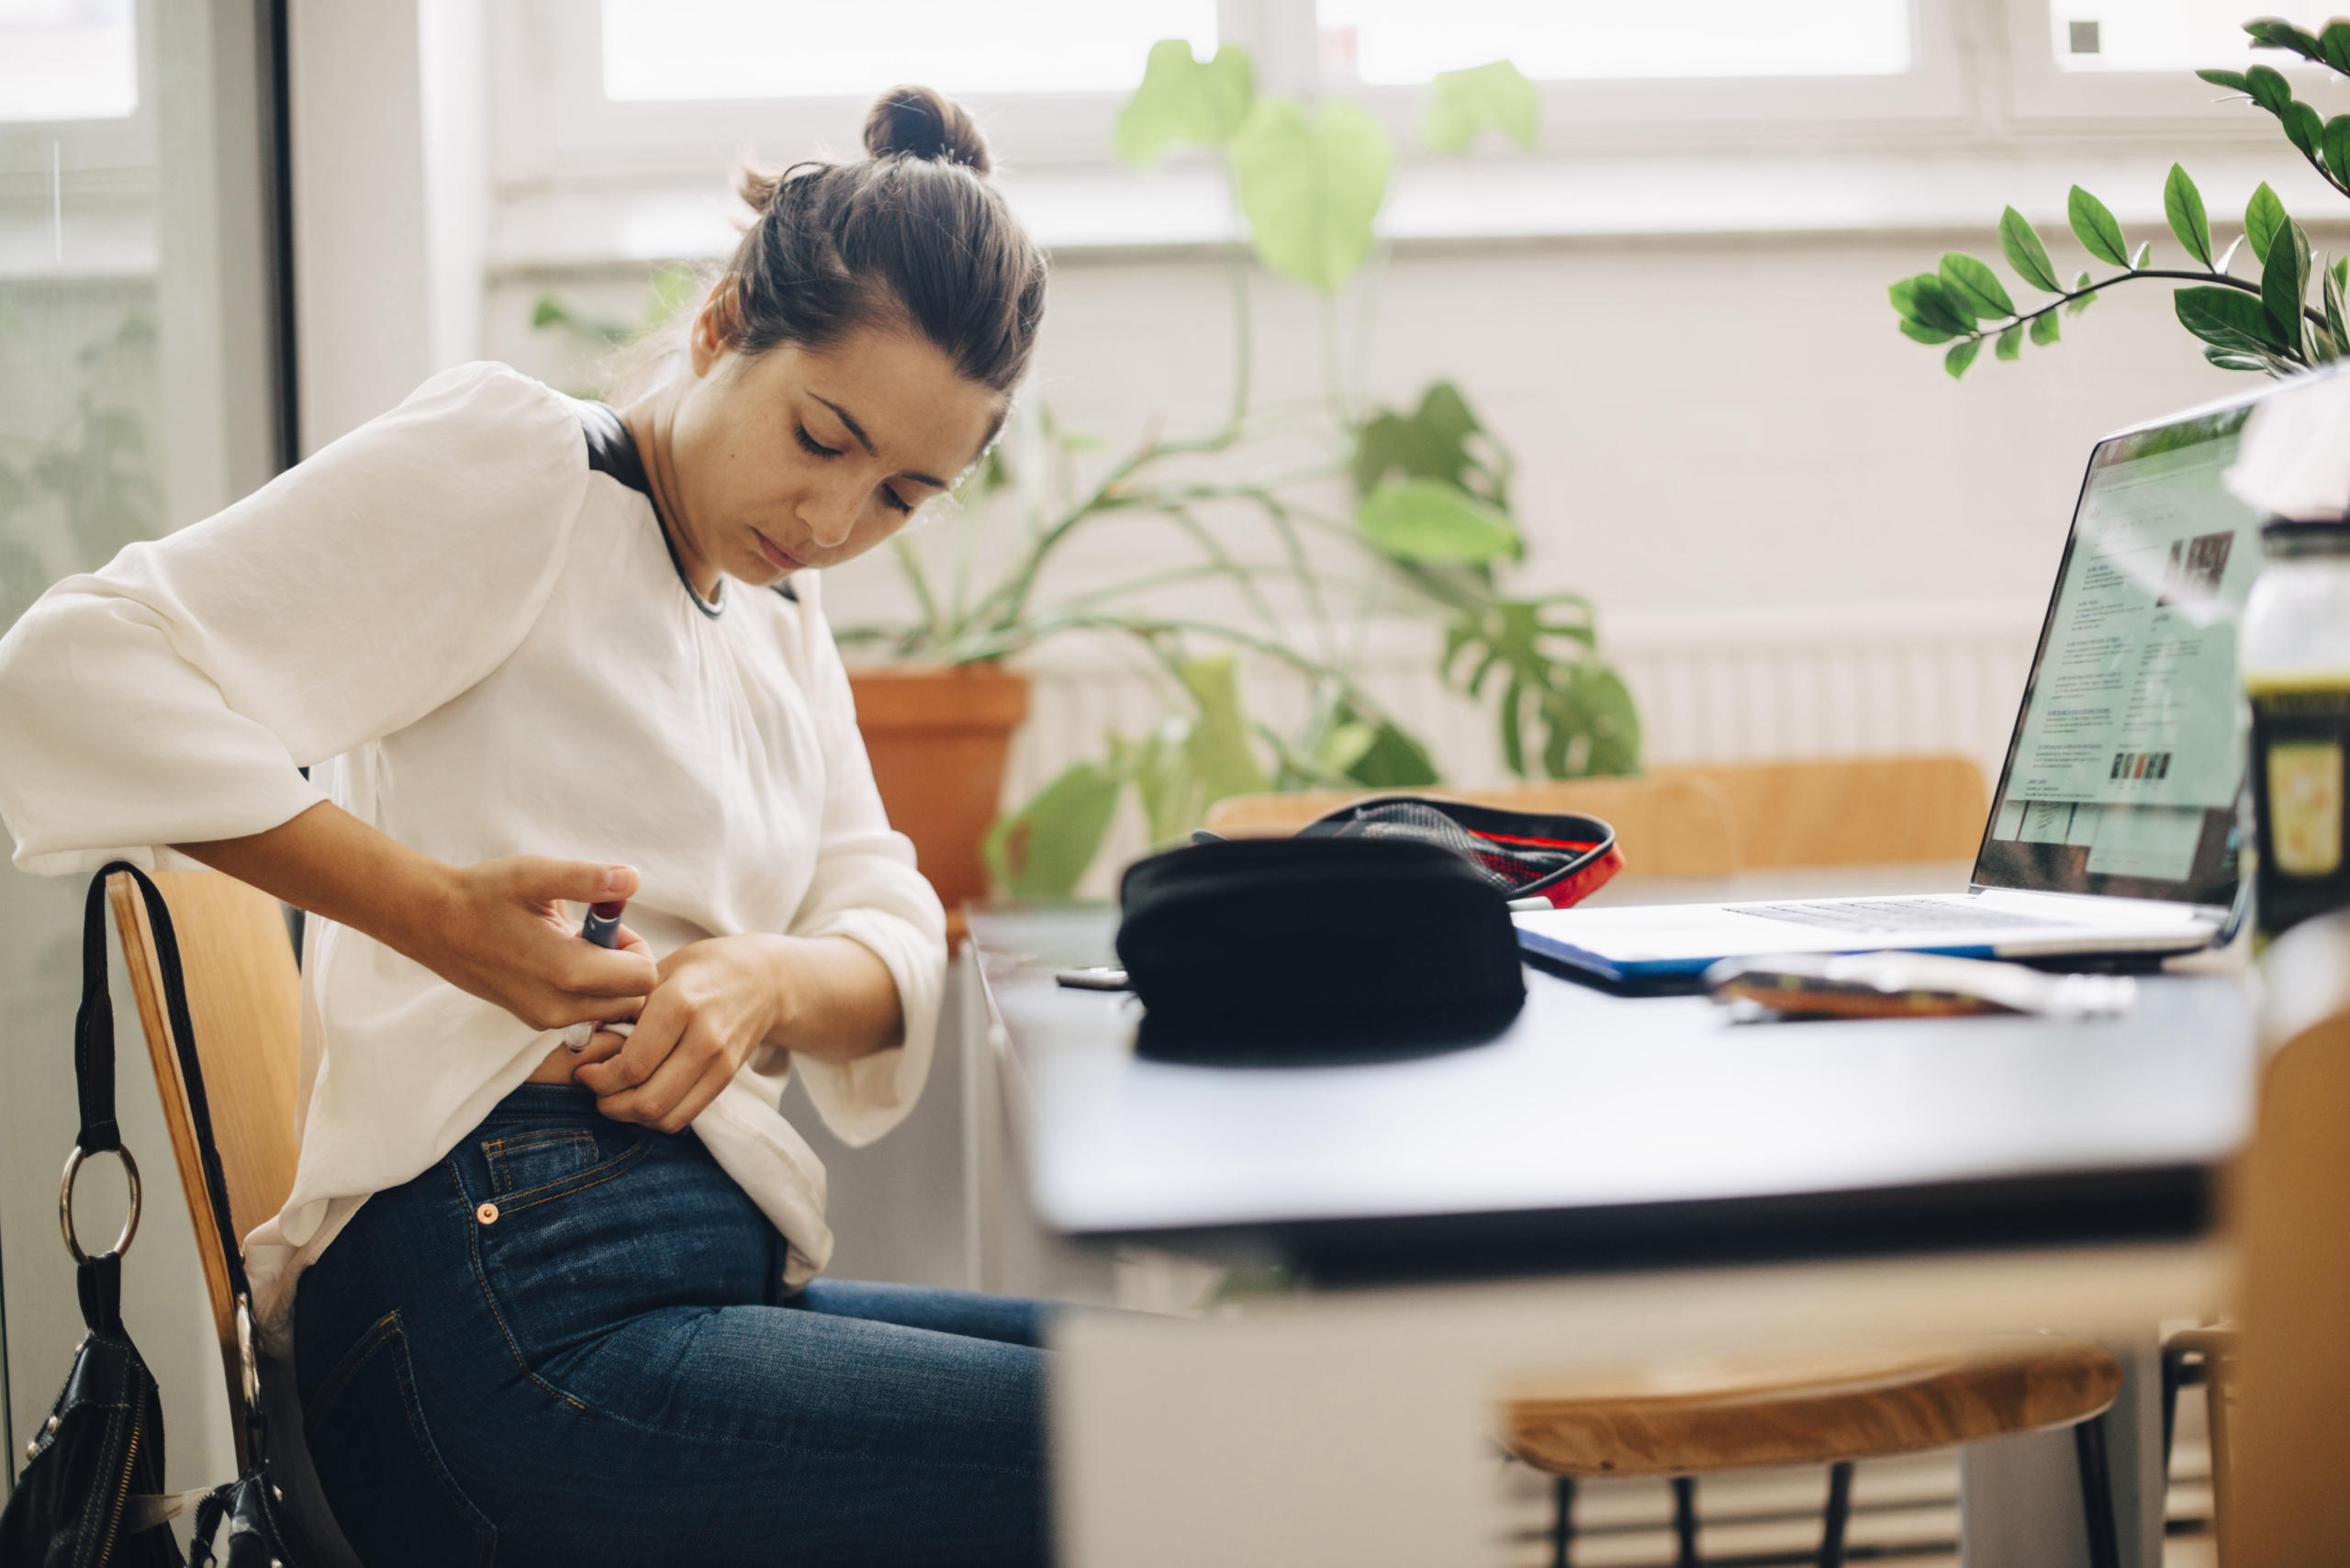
{"type": "Point", "coordinates": [690, 1077]}
{"type": "Point", "coordinates": [587, 970]}
{"type": "Point", "coordinates": [658, 1030]}
{"type": "Point", "coordinates": [540, 878]}
{"type": "Point", "coordinates": [602, 1045]}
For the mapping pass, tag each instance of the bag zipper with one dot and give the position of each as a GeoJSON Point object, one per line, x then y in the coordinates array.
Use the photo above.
{"type": "Point", "coordinates": [122, 1493]}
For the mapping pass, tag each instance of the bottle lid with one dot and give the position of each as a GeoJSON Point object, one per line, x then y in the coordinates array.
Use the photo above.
{"type": "Point", "coordinates": [2284, 536]}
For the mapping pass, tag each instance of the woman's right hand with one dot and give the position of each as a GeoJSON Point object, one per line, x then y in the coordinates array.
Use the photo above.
{"type": "Point", "coordinates": [498, 930]}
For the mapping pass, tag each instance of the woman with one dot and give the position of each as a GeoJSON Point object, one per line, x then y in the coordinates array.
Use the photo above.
{"type": "Point", "coordinates": [548, 1288]}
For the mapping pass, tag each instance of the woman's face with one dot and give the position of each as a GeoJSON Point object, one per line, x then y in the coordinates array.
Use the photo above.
{"type": "Point", "coordinates": [799, 457]}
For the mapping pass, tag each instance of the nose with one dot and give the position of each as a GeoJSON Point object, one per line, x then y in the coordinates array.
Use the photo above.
{"type": "Point", "coordinates": [829, 513]}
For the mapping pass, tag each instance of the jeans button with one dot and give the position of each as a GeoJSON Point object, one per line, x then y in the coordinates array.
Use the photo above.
{"type": "Point", "coordinates": [487, 1213]}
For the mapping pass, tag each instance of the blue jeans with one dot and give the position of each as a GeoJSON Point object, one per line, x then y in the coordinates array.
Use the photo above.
{"type": "Point", "coordinates": [568, 1343]}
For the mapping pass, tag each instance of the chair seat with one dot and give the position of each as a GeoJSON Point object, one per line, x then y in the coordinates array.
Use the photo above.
{"type": "Point", "coordinates": [1684, 1417]}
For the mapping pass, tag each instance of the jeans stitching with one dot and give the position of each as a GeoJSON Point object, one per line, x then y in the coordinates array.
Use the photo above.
{"type": "Point", "coordinates": [387, 1330]}
{"type": "Point", "coordinates": [578, 1181]}
{"type": "Point", "coordinates": [481, 1279]}
{"type": "Point", "coordinates": [494, 1152]}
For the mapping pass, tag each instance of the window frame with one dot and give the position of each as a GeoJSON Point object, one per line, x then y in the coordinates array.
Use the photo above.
{"type": "Point", "coordinates": [2044, 96]}
{"type": "Point", "coordinates": [553, 124]}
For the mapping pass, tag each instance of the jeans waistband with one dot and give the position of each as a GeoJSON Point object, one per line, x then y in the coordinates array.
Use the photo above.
{"type": "Point", "coordinates": [546, 1102]}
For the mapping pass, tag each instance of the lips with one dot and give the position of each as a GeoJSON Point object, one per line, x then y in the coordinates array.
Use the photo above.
{"type": "Point", "coordinates": [782, 560]}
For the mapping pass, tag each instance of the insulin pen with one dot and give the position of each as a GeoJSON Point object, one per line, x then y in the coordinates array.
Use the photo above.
{"type": "Point", "coordinates": [602, 929]}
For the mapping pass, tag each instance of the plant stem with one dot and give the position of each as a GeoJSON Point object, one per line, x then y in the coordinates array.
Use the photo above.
{"type": "Point", "coordinates": [2026, 317]}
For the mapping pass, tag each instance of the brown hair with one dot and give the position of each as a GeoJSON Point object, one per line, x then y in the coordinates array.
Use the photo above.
{"type": "Point", "coordinates": [914, 235]}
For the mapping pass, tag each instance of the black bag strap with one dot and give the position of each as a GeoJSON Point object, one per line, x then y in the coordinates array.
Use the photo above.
{"type": "Point", "coordinates": [94, 1054]}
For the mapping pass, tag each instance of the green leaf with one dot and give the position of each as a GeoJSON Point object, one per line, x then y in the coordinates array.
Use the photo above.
{"type": "Point", "coordinates": [2045, 330]}
{"type": "Point", "coordinates": [1919, 331]}
{"type": "Point", "coordinates": [1962, 354]}
{"type": "Point", "coordinates": [1975, 286]}
{"type": "Point", "coordinates": [2271, 32]}
{"type": "Point", "coordinates": [2183, 205]}
{"type": "Point", "coordinates": [2026, 254]}
{"type": "Point", "coordinates": [1163, 775]}
{"type": "Point", "coordinates": [2235, 81]}
{"type": "Point", "coordinates": [2303, 126]}
{"type": "Point", "coordinates": [1442, 440]}
{"type": "Point", "coordinates": [2335, 141]}
{"type": "Point", "coordinates": [1042, 850]}
{"type": "Point", "coordinates": [2263, 216]}
{"type": "Point", "coordinates": [2080, 300]}
{"type": "Point", "coordinates": [2226, 318]}
{"type": "Point", "coordinates": [1219, 744]}
{"type": "Point", "coordinates": [2227, 257]}
{"type": "Point", "coordinates": [2337, 318]}
{"type": "Point", "coordinates": [1463, 104]}
{"type": "Point", "coordinates": [2285, 282]}
{"type": "Point", "coordinates": [1924, 300]}
{"type": "Point", "coordinates": [2010, 343]}
{"type": "Point", "coordinates": [2144, 253]}
{"type": "Point", "coordinates": [1427, 519]}
{"type": "Point", "coordinates": [1184, 102]}
{"type": "Point", "coordinates": [2228, 358]}
{"type": "Point", "coordinates": [1554, 689]}
{"type": "Point", "coordinates": [2333, 45]}
{"type": "Point", "coordinates": [1311, 189]}
{"type": "Point", "coordinates": [2095, 228]}
{"type": "Point", "coordinates": [1393, 760]}
{"type": "Point", "coordinates": [2269, 88]}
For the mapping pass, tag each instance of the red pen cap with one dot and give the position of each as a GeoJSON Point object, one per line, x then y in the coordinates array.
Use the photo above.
{"type": "Point", "coordinates": [607, 910]}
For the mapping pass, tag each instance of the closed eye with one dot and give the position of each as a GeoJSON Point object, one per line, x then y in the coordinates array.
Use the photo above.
{"type": "Point", "coordinates": [810, 445]}
{"type": "Point", "coordinates": [897, 502]}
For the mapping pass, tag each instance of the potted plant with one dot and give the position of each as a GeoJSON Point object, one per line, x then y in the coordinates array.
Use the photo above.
{"type": "Point", "coordinates": [2266, 323]}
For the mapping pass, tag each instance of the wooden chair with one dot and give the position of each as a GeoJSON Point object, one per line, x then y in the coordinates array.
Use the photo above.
{"type": "Point", "coordinates": [1665, 827]}
{"type": "Point", "coordinates": [1879, 811]}
{"type": "Point", "coordinates": [1717, 820]}
{"type": "Point", "coordinates": [244, 1000]}
{"type": "Point", "coordinates": [1831, 1410]}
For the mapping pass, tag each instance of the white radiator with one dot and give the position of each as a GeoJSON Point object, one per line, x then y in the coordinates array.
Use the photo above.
{"type": "Point", "coordinates": [1834, 680]}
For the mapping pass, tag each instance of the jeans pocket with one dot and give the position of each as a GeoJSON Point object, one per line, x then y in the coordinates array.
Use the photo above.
{"type": "Point", "coordinates": [383, 1475]}
{"type": "Point", "coordinates": [521, 1162]}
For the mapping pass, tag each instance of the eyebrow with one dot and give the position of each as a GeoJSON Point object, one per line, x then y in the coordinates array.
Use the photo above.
{"type": "Point", "coordinates": [865, 440]}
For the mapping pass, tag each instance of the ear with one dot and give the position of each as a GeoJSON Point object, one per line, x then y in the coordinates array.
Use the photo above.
{"type": "Point", "coordinates": [717, 326]}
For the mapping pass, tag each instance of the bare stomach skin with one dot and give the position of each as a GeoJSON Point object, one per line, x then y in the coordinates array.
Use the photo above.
{"type": "Point", "coordinates": [555, 1069]}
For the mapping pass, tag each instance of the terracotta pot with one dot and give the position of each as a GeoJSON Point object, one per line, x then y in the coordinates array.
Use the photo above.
{"type": "Point", "coordinates": [939, 737]}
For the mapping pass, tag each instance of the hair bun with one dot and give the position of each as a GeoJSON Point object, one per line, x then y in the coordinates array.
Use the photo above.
{"type": "Point", "coordinates": [921, 122]}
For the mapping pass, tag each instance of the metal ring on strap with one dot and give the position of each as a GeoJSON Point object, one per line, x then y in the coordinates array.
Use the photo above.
{"type": "Point", "coordinates": [65, 1202]}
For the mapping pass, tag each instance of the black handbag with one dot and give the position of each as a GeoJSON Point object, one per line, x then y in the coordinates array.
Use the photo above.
{"type": "Point", "coordinates": [91, 1493]}
{"type": "Point", "coordinates": [1381, 928]}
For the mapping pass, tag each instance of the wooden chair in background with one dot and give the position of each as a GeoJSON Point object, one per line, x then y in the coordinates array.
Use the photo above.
{"type": "Point", "coordinates": [244, 1000]}
{"type": "Point", "coordinates": [1717, 820]}
{"type": "Point", "coordinates": [1831, 1410]}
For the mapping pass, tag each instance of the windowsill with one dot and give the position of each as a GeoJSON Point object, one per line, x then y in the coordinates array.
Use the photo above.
{"type": "Point", "coordinates": [1083, 213]}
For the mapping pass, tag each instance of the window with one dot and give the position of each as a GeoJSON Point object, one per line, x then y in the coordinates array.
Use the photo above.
{"type": "Point", "coordinates": [2161, 34]}
{"type": "Point", "coordinates": [1404, 42]}
{"type": "Point", "coordinates": [68, 60]}
{"type": "Point", "coordinates": [662, 49]}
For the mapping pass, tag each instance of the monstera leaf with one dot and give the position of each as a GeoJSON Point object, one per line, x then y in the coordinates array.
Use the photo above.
{"type": "Point", "coordinates": [1554, 690]}
{"type": "Point", "coordinates": [1041, 850]}
{"type": "Point", "coordinates": [1463, 104]}
{"type": "Point", "coordinates": [1432, 521]}
{"type": "Point", "coordinates": [1311, 187]}
{"type": "Point", "coordinates": [1442, 440]}
{"type": "Point", "coordinates": [1184, 102]}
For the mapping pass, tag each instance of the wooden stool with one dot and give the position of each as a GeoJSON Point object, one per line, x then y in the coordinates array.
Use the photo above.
{"type": "Point", "coordinates": [1830, 1409]}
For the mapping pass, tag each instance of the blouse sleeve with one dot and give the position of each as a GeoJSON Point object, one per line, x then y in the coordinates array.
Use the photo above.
{"type": "Point", "coordinates": [865, 888]}
{"type": "Point", "coordinates": [170, 697]}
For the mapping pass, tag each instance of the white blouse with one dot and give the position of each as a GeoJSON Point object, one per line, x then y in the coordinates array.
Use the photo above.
{"type": "Point", "coordinates": [481, 647]}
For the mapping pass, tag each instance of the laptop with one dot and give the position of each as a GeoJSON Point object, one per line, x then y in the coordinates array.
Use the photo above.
{"type": "Point", "coordinates": [2113, 830]}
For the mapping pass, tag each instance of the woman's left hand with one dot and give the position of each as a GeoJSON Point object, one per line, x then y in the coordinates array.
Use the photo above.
{"type": "Point", "coordinates": [715, 1003]}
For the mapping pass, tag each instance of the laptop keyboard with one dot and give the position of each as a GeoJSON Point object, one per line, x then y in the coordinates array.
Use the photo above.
{"type": "Point", "coordinates": [1893, 914]}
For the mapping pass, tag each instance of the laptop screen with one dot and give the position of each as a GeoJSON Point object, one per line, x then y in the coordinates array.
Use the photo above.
{"type": "Point", "coordinates": [2122, 773]}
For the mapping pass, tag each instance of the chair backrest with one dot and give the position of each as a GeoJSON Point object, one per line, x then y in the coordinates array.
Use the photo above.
{"type": "Point", "coordinates": [244, 999]}
{"type": "Point", "coordinates": [1665, 827]}
{"type": "Point", "coordinates": [2289, 1468]}
{"type": "Point", "coordinates": [1875, 810]}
